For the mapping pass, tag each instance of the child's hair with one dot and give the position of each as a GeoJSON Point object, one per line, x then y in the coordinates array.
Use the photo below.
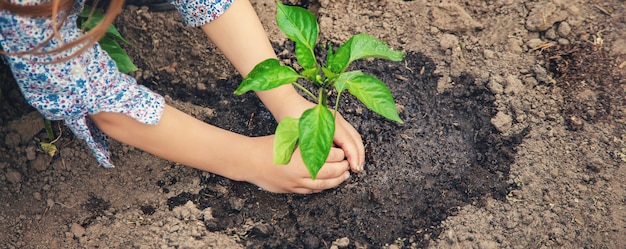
{"type": "Point", "coordinates": [58, 10]}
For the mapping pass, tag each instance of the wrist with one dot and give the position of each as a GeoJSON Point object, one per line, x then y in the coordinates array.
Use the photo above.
{"type": "Point", "coordinates": [284, 101]}
{"type": "Point", "coordinates": [293, 106]}
{"type": "Point", "coordinates": [259, 155]}
{"type": "Point", "coordinates": [245, 168]}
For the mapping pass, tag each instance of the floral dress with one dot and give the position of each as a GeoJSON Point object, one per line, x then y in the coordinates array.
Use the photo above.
{"type": "Point", "coordinates": [88, 83]}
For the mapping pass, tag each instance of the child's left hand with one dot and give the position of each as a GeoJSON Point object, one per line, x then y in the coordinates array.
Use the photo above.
{"type": "Point", "coordinates": [347, 138]}
{"type": "Point", "coordinates": [291, 104]}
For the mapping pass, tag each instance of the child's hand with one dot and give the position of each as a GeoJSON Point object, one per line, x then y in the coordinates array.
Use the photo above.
{"type": "Point", "coordinates": [291, 104]}
{"type": "Point", "coordinates": [348, 139]}
{"type": "Point", "coordinates": [181, 138]}
{"type": "Point", "coordinates": [295, 177]}
{"type": "Point", "coordinates": [232, 33]}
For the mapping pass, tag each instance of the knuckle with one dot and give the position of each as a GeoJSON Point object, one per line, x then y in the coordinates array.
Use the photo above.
{"type": "Point", "coordinates": [321, 184]}
{"type": "Point", "coordinates": [339, 153]}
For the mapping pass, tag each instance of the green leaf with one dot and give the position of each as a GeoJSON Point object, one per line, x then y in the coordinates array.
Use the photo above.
{"type": "Point", "coordinates": [310, 74]}
{"type": "Point", "coordinates": [342, 81]}
{"type": "Point", "coordinates": [92, 17]}
{"type": "Point", "coordinates": [89, 12]}
{"type": "Point", "coordinates": [305, 56]}
{"type": "Point", "coordinates": [371, 91]}
{"type": "Point", "coordinates": [340, 60]}
{"type": "Point", "coordinates": [365, 46]}
{"type": "Point", "coordinates": [122, 60]}
{"type": "Point", "coordinates": [49, 148]}
{"type": "Point", "coordinates": [267, 75]}
{"type": "Point", "coordinates": [329, 54]}
{"type": "Point", "coordinates": [300, 26]}
{"type": "Point", "coordinates": [112, 32]}
{"type": "Point", "coordinates": [361, 46]}
{"type": "Point", "coordinates": [285, 140]}
{"type": "Point", "coordinates": [330, 75]}
{"type": "Point", "coordinates": [317, 129]}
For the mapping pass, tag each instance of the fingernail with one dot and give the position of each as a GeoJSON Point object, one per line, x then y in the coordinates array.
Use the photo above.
{"type": "Point", "coordinates": [346, 176]}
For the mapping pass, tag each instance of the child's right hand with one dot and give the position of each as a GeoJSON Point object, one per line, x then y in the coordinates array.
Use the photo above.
{"type": "Point", "coordinates": [295, 177]}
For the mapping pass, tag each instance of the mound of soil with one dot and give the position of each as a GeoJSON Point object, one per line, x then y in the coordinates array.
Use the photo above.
{"type": "Point", "coordinates": [446, 154]}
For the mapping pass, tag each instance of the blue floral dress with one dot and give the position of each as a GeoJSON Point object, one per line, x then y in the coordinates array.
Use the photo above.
{"type": "Point", "coordinates": [88, 83]}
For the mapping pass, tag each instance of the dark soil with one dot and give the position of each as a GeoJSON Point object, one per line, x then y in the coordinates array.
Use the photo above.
{"type": "Point", "coordinates": [513, 137]}
{"type": "Point", "coordinates": [585, 73]}
{"type": "Point", "coordinates": [445, 155]}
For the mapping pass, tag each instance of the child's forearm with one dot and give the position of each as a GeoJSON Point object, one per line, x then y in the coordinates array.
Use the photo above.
{"type": "Point", "coordinates": [181, 138]}
{"type": "Point", "coordinates": [239, 34]}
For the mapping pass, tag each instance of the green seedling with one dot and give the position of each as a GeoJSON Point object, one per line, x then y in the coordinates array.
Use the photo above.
{"type": "Point", "coordinates": [49, 147]}
{"type": "Point", "coordinates": [313, 132]}
{"type": "Point", "coordinates": [88, 19]}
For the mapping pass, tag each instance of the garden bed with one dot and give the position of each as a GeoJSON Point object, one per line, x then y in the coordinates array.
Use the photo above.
{"type": "Point", "coordinates": [513, 136]}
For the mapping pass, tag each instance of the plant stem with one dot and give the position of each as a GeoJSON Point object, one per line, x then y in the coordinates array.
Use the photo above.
{"type": "Point", "coordinates": [48, 129]}
{"type": "Point", "coordinates": [336, 105]}
{"type": "Point", "coordinates": [305, 90]}
{"type": "Point", "coordinates": [323, 100]}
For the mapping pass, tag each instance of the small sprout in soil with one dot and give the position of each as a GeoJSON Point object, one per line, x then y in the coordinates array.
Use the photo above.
{"type": "Point", "coordinates": [400, 242]}
{"type": "Point", "coordinates": [49, 147]}
{"type": "Point", "coordinates": [313, 132]}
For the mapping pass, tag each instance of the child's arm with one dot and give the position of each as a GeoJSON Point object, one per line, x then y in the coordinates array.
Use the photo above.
{"type": "Point", "coordinates": [89, 84]}
{"type": "Point", "coordinates": [241, 37]}
{"type": "Point", "coordinates": [181, 138]}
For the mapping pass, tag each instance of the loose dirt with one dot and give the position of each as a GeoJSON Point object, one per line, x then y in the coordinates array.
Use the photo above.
{"type": "Point", "coordinates": [514, 137]}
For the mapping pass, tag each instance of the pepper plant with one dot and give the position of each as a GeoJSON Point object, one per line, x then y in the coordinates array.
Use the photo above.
{"type": "Point", "coordinates": [313, 132]}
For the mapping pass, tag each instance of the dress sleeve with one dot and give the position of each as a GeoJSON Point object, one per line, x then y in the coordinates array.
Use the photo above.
{"type": "Point", "coordinates": [196, 13]}
{"type": "Point", "coordinates": [86, 84]}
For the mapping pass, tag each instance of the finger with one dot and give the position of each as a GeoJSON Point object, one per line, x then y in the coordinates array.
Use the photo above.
{"type": "Point", "coordinates": [357, 160]}
{"type": "Point", "coordinates": [332, 170]}
{"type": "Point", "coordinates": [352, 146]}
{"type": "Point", "coordinates": [336, 155]}
{"type": "Point", "coordinates": [360, 147]}
{"type": "Point", "coordinates": [322, 184]}
{"type": "Point", "coordinates": [305, 191]}
{"type": "Point", "coordinates": [360, 150]}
